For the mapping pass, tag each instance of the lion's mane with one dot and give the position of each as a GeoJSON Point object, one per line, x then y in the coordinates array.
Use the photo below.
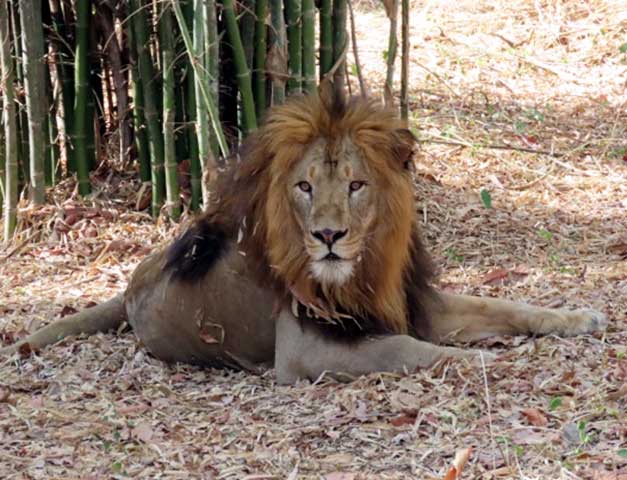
{"type": "Point", "coordinates": [390, 289]}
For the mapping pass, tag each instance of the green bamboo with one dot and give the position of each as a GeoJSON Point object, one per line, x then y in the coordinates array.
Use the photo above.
{"type": "Point", "coordinates": [339, 44]}
{"type": "Point", "coordinates": [294, 45]}
{"type": "Point", "coordinates": [190, 98]}
{"type": "Point", "coordinates": [22, 118]}
{"type": "Point", "coordinates": [388, 91]}
{"type": "Point", "coordinates": [213, 70]}
{"type": "Point", "coordinates": [276, 61]}
{"type": "Point", "coordinates": [9, 125]}
{"type": "Point", "coordinates": [34, 83]}
{"type": "Point", "coordinates": [259, 71]}
{"type": "Point", "coordinates": [207, 98]}
{"type": "Point", "coordinates": [151, 112]}
{"type": "Point", "coordinates": [405, 59]}
{"type": "Point", "coordinates": [81, 121]}
{"type": "Point", "coordinates": [249, 119]}
{"type": "Point", "coordinates": [326, 37]}
{"type": "Point", "coordinates": [309, 45]}
{"type": "Point", "coordinates": [201, 60]}
{"type": "Point", "coordinates": [247, 29]}
{"type": "Point", "coordinates": [166, 44]}
{"type": "Point", "coordinates": [139, 121]}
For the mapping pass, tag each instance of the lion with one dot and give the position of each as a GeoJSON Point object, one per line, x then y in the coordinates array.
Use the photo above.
{"type": "Point", "coordinates": [309, 258]}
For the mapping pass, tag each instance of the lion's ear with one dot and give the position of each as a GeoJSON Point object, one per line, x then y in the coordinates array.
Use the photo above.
{"type": "Point", "coordinates": [405, 148]}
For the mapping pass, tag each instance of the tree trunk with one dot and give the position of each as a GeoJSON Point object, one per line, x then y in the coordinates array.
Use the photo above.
{"type": "Point", "coordinates": [9, 125]}
{"type": "Point", "coordinates": [34, 83]}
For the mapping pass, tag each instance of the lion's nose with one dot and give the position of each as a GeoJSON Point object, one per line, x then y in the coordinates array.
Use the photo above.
{"type": "Point", "coordinates": [328, 236]}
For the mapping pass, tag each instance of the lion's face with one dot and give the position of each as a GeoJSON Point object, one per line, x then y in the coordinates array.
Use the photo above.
{"type": "Point", "coordinates": [333, 197]}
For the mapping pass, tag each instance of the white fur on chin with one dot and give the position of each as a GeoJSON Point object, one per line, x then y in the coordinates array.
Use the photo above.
{"type": "Point", "coordinates": [332, 273]}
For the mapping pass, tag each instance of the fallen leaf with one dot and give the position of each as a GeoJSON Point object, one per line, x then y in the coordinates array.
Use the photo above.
{"type": "Point", "coordinates": [405, 419]}
{"type": "Point", "coordinates": [494, 275]}
{"type": "Point", "coordinates": [25, 350]}
{"type": "Point", "coordinates": [529, 436]}
{"type": "Point", "coordinates": [143, 432]}
{"type": "Point", "coordinates": [340, 476]}
{"type": "Point", "coordinates": [338, 459]}
{"type": "Point", "coordinates": [461, 457]}
{"type": "Point", "coordinates": [5, 396]}
{"type": "Point", "coordinates": [535, 417]}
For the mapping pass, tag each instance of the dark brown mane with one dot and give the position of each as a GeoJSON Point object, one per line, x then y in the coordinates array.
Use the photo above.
{"type": "Point", "coordinates": [250, 206]}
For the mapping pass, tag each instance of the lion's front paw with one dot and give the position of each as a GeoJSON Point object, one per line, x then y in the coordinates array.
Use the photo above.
{"type": "Point", "coordinates": [585, 320]}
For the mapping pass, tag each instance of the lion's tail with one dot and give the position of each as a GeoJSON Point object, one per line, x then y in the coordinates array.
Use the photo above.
{"type": "Point", "coordinates": [101, 318]}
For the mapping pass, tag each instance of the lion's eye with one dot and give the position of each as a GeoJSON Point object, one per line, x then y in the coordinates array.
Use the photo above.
{"type": "Point", "coordinates": [355, 186]}
{"type": "Point", "coordinates": [304, 186]}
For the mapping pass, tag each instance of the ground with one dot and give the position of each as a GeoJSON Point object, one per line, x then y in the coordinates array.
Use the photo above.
{"type": "Point", "coordinates": [523, 193]}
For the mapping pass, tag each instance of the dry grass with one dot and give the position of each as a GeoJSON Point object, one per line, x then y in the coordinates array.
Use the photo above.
{"type": "Point", "coordinates": [527, 75]}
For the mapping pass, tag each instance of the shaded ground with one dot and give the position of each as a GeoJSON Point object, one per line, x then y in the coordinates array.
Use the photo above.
{"type": "Point", "coordinates": [526, 75]}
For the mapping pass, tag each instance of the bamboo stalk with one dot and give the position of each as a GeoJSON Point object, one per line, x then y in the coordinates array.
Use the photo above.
{"type": "Point", "coordinates": [201, 61]}
{"type": "Point", "coordinates": [166, 43]}
{"type": "Point", "coordinates": [147, 75]}
{"type": "Point", "coordinates": [191, 103]}
{"type": "Point", "coordinates": [247, 29]}
{"type": "Point", "coordinates": [405, 59]}
{"type": "Point", "coordinates": [9, 125]}
{"type": "Point", "coordinates": [207, 98]}
{"type": "Point", "coordinates": [213, 70]}
{"type": "Point", "coordinates": [276, 63]}
{"type": "Point", "coordinates": [339, 45]}
{"type": "Point", "coordinates": [259, 70]}
{"type": "Point", "coordinates": [34, 83]}
{"type": "Point", "coordinates": [293, 11]}
{"type": "Point", "coordinates": [139, 122]}
{"type": "Point", "coordinates": [388, 91]}
{"type": "Point", "coordinates": [309, 46]}
{"type": "Point", "coordinates": [249, 120]}
{"type": "Point", "coordinates": [81, 120]}
{"type": "Point", "coordinates": [326, 37]}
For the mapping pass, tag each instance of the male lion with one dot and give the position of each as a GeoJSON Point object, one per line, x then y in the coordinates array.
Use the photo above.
{"type": "Point", "coordinates": [309, 256]}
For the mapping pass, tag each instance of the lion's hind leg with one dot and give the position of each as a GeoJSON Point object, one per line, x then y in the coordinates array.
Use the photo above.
{"type": "Point", "coordinates": [466, 319]}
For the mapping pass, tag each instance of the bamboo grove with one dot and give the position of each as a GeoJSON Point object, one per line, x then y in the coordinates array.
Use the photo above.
{"type": "Point", "coordinates": [165, 87]}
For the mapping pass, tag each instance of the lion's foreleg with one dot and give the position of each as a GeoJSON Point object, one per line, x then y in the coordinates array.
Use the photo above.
{"type": "Point", "coordinates": [304, 353]}
{"type": "Point", "coordinates": [103, 317]}
{"type": "Point", "coordinates": [465, 318]}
